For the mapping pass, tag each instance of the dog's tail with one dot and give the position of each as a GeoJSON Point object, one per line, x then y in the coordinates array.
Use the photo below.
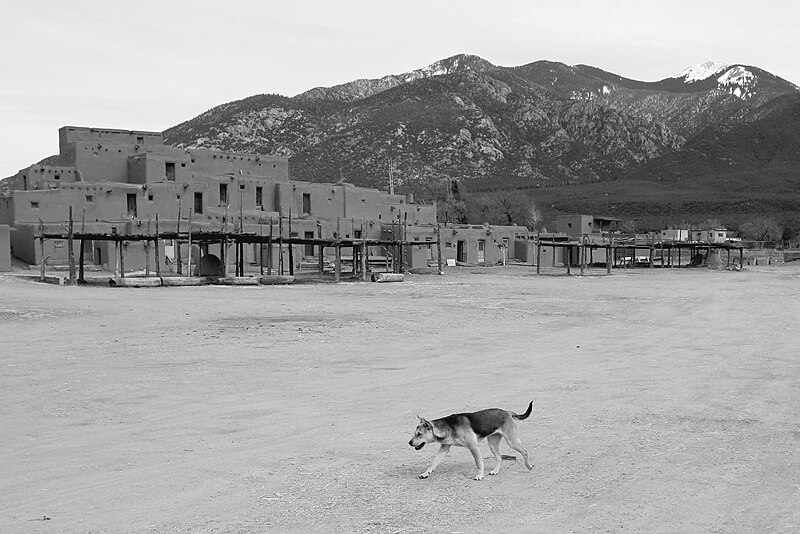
{"type": "Point", "coordinates": [525, 415]}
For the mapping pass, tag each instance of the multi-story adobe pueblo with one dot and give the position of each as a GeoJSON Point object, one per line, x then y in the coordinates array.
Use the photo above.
{"type": "Point", "coordinates": [125, 182]}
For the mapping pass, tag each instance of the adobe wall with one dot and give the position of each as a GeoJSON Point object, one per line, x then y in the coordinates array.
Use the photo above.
{"type": "Point", "coordinates": [217, 163]}
{"type": "Point", "coordinates": [573, 225]}
{"type": "Point", "coordinates": [5, 248]}
{"type": "Point", "coordinates": [75, 134]}
{"type": "Point", "coordinates": [7, 210]}
{"type": "Point", "coordinates": [24, 245]}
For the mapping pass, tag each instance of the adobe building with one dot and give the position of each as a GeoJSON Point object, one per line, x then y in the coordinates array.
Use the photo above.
{"type": "Point", "coordinates": [125, 182]}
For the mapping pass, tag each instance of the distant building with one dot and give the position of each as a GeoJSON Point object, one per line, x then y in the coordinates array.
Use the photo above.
{"type": "Point", "coordinates": [580, 225]}
{"type": "Point", "coordinates": [119, 181]}
{"type": "Point", "coordinates": [125, 182]}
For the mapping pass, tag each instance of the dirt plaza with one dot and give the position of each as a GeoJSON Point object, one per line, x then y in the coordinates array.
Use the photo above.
{"type": "Point", "coordinates": [665, 400]}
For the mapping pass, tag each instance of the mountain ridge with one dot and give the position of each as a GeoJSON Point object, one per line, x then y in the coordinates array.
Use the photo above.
{"type": "Point", "coordinates": [540, 125]}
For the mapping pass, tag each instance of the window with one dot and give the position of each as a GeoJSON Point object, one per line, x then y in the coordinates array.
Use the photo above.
{"type": "Point", "coordinates": [169, 171]}
{"type": "Point", "coordinates": [306, 203]}
{"type": "Point", "coordinates": [259, 197]}
{"type": "Point", "coordinates": [139, 140]}
{"type": "Point", "coordinates": [356, 234]}
{"type": "Point", "coordinates": [132, 205]}
{"type": "Point", "coordinates": [198, 202]}
{"type": "Point", "coordinates": [150, 197]}
{"type": "Point", "coordinates": [89, 198]}
{"type": "Point", "coordinates": [35, 205]}
{"type": "Point", "coordinates": [223, 194]}
{"type": "Point", "coordinates": [57, 177]}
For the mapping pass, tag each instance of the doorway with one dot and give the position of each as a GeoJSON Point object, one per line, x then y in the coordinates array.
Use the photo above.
{"type": "Point", "coordinates": [461, 252]}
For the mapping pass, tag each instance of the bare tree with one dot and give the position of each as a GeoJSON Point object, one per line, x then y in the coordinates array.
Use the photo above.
{"type": "Point", "coordinates": [761, 229]}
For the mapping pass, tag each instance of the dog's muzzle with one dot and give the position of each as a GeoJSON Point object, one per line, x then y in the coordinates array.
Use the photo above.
{"type": "Point", "coordinates": [417, 447]}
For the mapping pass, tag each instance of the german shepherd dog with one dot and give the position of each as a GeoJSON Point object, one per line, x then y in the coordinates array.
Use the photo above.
{"type": "Point", "coordinates": [469, 429]}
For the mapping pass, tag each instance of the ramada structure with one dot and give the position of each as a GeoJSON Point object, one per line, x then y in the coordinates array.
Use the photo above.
{"type": "Point", "coordinates": [131, 202]}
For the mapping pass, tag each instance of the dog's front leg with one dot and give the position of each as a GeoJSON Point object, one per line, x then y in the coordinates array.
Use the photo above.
{"type": "Point", "coordinates": [440, 454]}
{"type": "Point", "coordinates": [473, 448]}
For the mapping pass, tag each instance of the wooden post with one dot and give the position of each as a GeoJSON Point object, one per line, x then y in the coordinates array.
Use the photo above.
{"type": "Point", "coordinates": [147, 251]}
{"type": "Point", "coordinates": [363, 260]}
{"type": "Point", "coordinates": [291, 246]}
{"type": "Point", "coordinates": [236, 257]}
{"type": "Point", "coordinates": [121, 258]}
{"type": "Point", "coordinates": [178, 255]}
{"type": "Point", "coordinates": [224, 254]}
{"type": "Point", "coordinates": [569, 259]}
{"type": "Point", "coordinates": [583, 257]}
{"type": "Point", "coordinates": [117, 246]}
{"type": "Point", "coordinates": [741, 259]}
{"type": "Point", "coordinates": [157, 251]}
{"type": "Point", "coordinates": [280, 245]}
{"type": "Point", "coordinates": [260, 245]}
{"type": "Point", "coordinates": [83, 244]}
{"type": "Point", "coordinates": [71, 250]}
{"type": "Point", "coordinates": [439, 247]}
{"type": "Point", "coordinates": [609, 257]}
{"type": "Point", "coordinates": [320, 250]}
{"type": "Point", "coordinates": [404, 245]}
{"type": "Point", "coordinates": [538, 257]}
{"type": "Point", "coordinates": [80, 262]}
{"type": "Point", "coordinates": [338, 268]}
{"type": "Point", "coordinates": [269, 248]}
{"type": "Point", "coordinates": [189, 259]}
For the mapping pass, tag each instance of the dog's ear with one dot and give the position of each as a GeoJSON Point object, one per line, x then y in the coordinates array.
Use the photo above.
{"type": "Point", "coordinates": [438, 433]}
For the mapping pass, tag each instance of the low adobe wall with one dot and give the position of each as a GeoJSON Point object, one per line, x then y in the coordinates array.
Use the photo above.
{"type": "Point", "coordinates": [5, 248]}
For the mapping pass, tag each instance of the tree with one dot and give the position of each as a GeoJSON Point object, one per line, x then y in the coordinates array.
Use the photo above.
{"type": "Point", "coordinates": [761, 229]}
{"type": "Point", "coordinates": [534, 218]}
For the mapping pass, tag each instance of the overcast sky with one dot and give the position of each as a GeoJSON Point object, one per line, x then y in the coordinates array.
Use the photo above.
{"type": "Point", "coordinates": [151, 64]}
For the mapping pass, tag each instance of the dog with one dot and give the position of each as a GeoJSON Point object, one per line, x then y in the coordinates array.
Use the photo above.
{"type": "Point", "coordinates": [469, 429]}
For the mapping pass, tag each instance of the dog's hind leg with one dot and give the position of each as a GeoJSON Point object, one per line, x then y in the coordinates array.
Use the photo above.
{"type": "Point", "coordinates": [440, 454]}
{"type": "Point", "coordinates": [494, 446]}
{"type": "Point", "coordinates": [512, 438]}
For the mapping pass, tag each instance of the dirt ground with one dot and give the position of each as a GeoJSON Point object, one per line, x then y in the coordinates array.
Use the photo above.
{"type": "Point", "coordinates": [664, 401]}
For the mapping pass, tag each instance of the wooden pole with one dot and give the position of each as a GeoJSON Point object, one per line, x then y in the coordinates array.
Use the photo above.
{"type": "Point", "coordinates": [147, 250]}
{"type": "Point", "coordinates": [121, 258]}
{"type": "Point", "coordinates": [291, 246]}
{"type": "Point", "coordinates": [569, 259]}
{"type": "Point", "coordinates": [320, 250]}
{"type": "Point", "coordinates": [538, 257]}
{"type": "Point", "coordinates": [269, 248]}
{"type": "Point", "coordinates": [583, 257]}
{"type": "Point", "coordinates": [609, 257]}
{"type": "Point", "coordinates": [189, 259]}
{"type": "Point", "coordinates": [260, 246]}
{"type": "Point", "coordinates": [178, 255]}
{"type": "Point", "coordinates": [71, 250]}
{"type": "Point", "coordinates": [83, 244]}
{"type": "Point", "coordinates": [280, 245]}
{"type": "Point", "coordinates": [41, 248]}
{"type": "Point", "coordinates": [338, 269]}
{"type": "Point", "coordinates": [363, 260]}
{"type": "Point", "coordinates": [117, 245]}
{"type": "Point", "coordinates": [157, 249]}
{"type": "Point", "coordinates": [236, 257]}
{"type": "Point", "coordinates": [439, 247]}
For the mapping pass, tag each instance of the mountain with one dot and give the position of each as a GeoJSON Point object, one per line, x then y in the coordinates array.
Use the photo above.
{"type": "Point", "coordinates": [544, 125]}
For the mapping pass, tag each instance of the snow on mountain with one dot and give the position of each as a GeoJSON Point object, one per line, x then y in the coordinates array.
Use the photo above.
{"type": "Point", "coordinates": [702, 71]}
{"type": "Point", "coordinates": [738, 81]}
